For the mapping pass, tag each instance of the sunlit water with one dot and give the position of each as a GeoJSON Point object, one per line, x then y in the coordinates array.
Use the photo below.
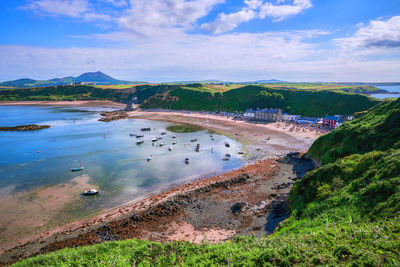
{"type": "Point", "coordinates": [394, 89]}
{"type": "Point", "coordinates": [110, 157]}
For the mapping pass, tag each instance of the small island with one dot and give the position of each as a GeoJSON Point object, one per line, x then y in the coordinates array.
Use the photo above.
{"type": "Point", "coordinates": [29, 127]}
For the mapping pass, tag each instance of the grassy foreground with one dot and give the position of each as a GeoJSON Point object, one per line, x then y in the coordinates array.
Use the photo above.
{"type": "Point", "coordinates": [347, 212]}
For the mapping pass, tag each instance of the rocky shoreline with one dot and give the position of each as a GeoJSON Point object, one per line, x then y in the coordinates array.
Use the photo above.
{"type": "Point", "coordinates": [29, 127]}
{"type": "Point", "coordinates": [250, 200]}
{"type": "Point", "coordinates": [113, 115]}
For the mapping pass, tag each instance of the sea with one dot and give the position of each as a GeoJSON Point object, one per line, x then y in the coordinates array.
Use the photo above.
{"type": "Point", "coordinates": [394, 89]}
{"type": "Point", "coordinates": [109, 155]}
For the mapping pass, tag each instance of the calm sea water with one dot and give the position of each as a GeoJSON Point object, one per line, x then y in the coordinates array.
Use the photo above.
{"type": "Point", "coordinates": [393, 89]}
{"type": "Point", "coordinates": [111, 157]}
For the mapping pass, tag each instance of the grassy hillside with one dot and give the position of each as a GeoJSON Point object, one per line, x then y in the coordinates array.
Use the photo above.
{"type": "Point", "coordinates": [307, 103]}
{"type": "Point", "coordinates": [379, 129]}
{"type": "Point", "coordinates": [347, 212]}
{"type": "Point", "coordinates": [65, 92]}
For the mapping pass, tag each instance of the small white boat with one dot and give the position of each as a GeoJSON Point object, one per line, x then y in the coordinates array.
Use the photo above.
{"type": "Point", "coordinates": [138, 142]}
{"type": "Point", "coordinates": [162, 144]}
{"type": "Point", "coordinates": [149, 158]}
{"type": "Point", "coordinates": [174, 136]}
{"type": "Point", "coordinates": [170, 148]}
{"type": "Point", "coordinates": [90, 192]}
{"type": "Point", "coordinates": [154, 140]}
{"type": "Point", "coordinates": [187, 160]}
{"type": "Point", "coordinates": [174, 143]}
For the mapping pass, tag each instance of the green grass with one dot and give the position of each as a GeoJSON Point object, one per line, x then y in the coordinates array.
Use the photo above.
{"type": "Point", "coordinates": [184, 128]}
{"type": "Point", "coordinates": [64, 93]}
{"type": "Point", "coordinates": [379, 129]}
{"type": "Point", "coordinates": [307, 103]}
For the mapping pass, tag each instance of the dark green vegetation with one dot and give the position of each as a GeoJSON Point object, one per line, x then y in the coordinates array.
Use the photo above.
{"type": "Point", "coordinates": [346, 212]}
{"type": "Point", "coordinates": [379, 129]}
{"type": "Point", "coordinates": [303, 102]}
{"type": "Point", "coordinates": [30, 127]}
{"type": "Point", "coordinates": [184, 128]}
{"type": "Point", "coordinates": [66, 93]}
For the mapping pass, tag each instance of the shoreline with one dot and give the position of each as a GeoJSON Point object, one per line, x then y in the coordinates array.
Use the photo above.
{"type": "Point", "coordinates": [264, 173]}
{"type": "Point", "coordinates": [240, 202]}
{"type": "Point", "coordinates": [81, 103]}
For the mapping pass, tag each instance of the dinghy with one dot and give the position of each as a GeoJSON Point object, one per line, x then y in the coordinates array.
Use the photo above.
{"type": "Point", "coordinates": [90, 192]}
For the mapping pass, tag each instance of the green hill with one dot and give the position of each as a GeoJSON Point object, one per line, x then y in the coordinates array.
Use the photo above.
{"type": "Point", "coordinates": [66, 93]}
{"type": "Point", "coordinates": [345, 213]}
{"type": "Point", "coordinates": [307, 103]}
{"type": "Point", "coordinates": [379, 129]}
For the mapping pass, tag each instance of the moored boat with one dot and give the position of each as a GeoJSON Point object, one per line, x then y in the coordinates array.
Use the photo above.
{"type": "Point", "coordinates": [170, 148]}
{"type": "Point", "coordinates": [149, 158]}
{"type": "Point", "coordinates": [227, 144]}
{"type": "Point", "coordinates": [139, 135]}
{"type": "Point", "coordinates": [162, 144]}
{"type": "Point", "coordinates": [138, 142]}
{"type": "Point", "coordinates": [77, 169]}
{"type": "Point", "coordinates": [187, 160]}
{"type": "Point", "coordinates": [193, 140]}
{"type": "Point", "coordinates": [90, 192]}
{"type": "Point", "coordinates": [163, 133]}
{"type": "Point", "coordinates": [146, 129]}
{"type": "Point", "coordinates": [174, 136]}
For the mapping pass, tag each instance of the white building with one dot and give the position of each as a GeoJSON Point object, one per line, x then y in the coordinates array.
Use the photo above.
{"type": "Point", "coordinates": [290, 117]}
{"type": "Point", "coordinates": [249, 113]}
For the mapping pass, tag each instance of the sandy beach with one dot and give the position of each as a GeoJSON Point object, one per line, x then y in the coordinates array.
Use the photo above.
{"type": "Point", "coordinates": [214, 208]}
{"type": "Point", "coordinates": [269, 139]}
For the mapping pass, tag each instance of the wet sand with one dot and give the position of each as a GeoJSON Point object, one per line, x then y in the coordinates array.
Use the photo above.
{"type": "Point", "coordinates": [27, 213]}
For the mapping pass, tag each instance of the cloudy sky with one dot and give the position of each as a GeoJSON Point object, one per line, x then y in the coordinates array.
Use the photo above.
{"type": "Point", "coordinates": [230, 40]}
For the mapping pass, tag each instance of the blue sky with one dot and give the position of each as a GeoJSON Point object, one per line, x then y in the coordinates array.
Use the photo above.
{"type": "Point", "coordinates": [167, 40]}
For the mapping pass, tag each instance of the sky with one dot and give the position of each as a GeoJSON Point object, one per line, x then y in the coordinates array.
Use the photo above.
{"type": "Point", "coordinates": [182, 40]}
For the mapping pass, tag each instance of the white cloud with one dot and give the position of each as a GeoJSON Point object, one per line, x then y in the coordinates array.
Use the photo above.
{"type": "Point", "coordinates": [93, 17]}
{"type": "Point", "coordinates": [150, 17]}
{"type": "Point", "coordinates": [377, 34]}
{"type": "Point", "coordinates": [255, 9]}
{"type": "Point", "coordinates": [70, 8]}
{"type": "Point", "coordinates": [117, 3]}
{"type": "Point", "coordinates": [280, 12]}
{"type": "Point", "coordinates": [253, 4]}
{"type": "Point", "coordinates": [240, 56]}
{"type": "Point", "coordinates": [227, 22]}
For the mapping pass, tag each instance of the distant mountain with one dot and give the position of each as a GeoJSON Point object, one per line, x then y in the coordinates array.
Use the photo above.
{"type": "Point", "coordinates": [89, 77]}
{"type": "Point", "coordinates": [270, 81]}
{"type": "Point", "coordinates": [18, 83]}
{"type": "Point", "coordinates": [97, 77]}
